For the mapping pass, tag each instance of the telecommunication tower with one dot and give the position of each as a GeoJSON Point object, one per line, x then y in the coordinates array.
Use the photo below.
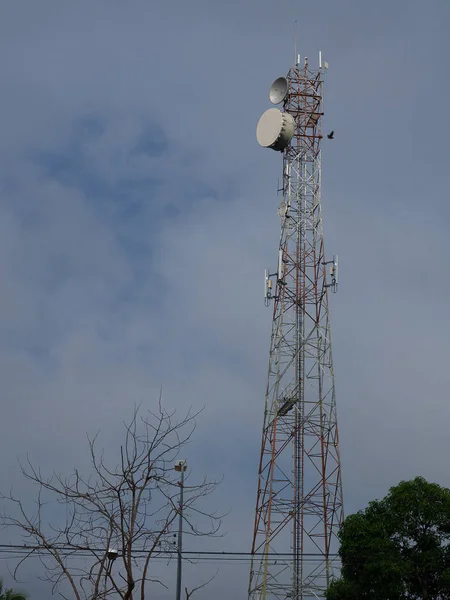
{"type": "Point", "coordinates": [299, 502]}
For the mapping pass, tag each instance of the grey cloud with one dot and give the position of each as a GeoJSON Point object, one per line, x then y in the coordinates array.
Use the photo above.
{"type": "Point", "coordinates": [137, 215]}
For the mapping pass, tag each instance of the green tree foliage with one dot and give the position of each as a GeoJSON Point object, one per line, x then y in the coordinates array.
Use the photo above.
{"type": "Point", "coordinates": [398, 548]}
{"type": "Point", "coordinates": [10, 594]}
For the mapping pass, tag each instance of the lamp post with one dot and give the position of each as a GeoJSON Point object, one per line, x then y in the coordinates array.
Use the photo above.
{"type": "Point", "coordinates": [111, 555]}
{"type": "Point", "coordinates": [180, 466]}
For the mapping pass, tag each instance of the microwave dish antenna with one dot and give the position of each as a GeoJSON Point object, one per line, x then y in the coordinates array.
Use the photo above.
{"type": "Point", "coordinates": [275, 129]}
{"type": "Point", "coordinates": [279, 90]}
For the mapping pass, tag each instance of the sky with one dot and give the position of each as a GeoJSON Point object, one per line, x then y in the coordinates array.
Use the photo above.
{"type": "Point", "coordinates": [138, 213]}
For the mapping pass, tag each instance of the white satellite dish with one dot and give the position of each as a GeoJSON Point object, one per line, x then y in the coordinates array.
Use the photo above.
{"type": "Point", "coordinates": [275, 129]}
{"type": "Point", "coordinates": [279, 90]}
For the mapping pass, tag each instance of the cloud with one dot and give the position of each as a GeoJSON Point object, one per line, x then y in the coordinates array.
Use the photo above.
{"type": "Point", "coordinates": [137, 216]}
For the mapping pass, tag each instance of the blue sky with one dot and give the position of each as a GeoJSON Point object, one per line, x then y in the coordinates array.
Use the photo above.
{"type": "Point", "coordinates": [137, 215]}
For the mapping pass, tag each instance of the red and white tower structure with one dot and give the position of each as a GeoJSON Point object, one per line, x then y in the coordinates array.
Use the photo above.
{"type": "Point", "coordinates": [299, 502]}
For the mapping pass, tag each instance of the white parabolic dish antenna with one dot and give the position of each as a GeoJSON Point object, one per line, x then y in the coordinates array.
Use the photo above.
{"type": "Point", "coordinates": [275, 129]}
{"type": "Point", "coordinates": [279, 90]}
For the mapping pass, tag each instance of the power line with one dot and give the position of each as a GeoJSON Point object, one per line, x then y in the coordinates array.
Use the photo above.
{"type": "Point", "coordinates": [90, 550]}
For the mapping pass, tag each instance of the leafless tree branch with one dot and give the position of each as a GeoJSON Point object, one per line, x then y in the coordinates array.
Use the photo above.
{"type": "Point", "coordinates": [128, 507]}
{"type": "Point", "coordinates": [189, 594]}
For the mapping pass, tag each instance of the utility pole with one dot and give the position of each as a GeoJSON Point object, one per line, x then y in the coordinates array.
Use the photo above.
{"type": "Point", "coordinates": [180, 466]}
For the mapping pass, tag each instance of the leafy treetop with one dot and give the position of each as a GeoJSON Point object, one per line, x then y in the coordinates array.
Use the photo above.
{"type": "Point", "coordinates": [398, 548]}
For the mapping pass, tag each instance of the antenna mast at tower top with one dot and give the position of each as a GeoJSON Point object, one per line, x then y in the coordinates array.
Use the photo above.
{"type": "Point", "coordinates": [299, 501]}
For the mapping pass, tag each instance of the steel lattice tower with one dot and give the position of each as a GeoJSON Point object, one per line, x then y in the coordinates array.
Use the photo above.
{"type": "Point", "coordinates": [299, 502]}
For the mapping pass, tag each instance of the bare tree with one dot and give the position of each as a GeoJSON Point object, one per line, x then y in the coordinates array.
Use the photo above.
{"type": "Point", "coordinates": [190, 593]}
{"type": "Point", "coordinates": [119, 518]}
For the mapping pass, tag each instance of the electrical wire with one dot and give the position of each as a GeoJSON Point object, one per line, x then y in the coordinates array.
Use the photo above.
{"type": "Point", "coordinates": [24, 549]}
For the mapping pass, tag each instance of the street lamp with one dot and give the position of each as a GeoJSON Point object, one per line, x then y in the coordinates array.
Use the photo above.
{"type": "Point", "coordinates": [181, 466]}
{"type": "Point", "coordinates": [111, 555]}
